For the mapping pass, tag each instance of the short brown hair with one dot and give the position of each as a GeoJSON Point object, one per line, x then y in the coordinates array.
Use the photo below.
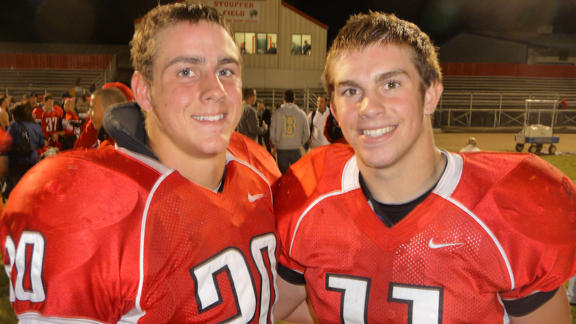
{"type": "Point", "coordinates": [364, 30]}
{"type": "Point", "coordinates": [247, 93]}
{"type": "Point", "coordinates": [110, 97]}
{"type": "Point", "coordinates": [48, 97]}
{"type": "Point", "coordinates": [144, 49]}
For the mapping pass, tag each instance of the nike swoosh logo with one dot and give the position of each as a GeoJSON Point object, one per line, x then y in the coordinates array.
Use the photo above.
{"type": "Point", "coordinates": [432, 245]}
{"type": "Point", "coordinates": [256, 197]}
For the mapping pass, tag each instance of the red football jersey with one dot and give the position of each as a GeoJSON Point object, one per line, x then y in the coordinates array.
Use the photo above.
{"type": "Point", "coordinates": [71, 124]}
{"type": "Point", "coordinates": [50, 121]}
{"type": "Point", "coordinates": [37, 114]}
{"type": "Point", "coordinates": [497, 226]}
{"type": "Point", "coordinates": [88, 138]}
{"type": "Point", "coordinates": [108, 235]}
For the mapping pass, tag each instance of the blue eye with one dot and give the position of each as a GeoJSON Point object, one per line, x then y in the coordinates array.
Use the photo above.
{"type": "Point", "coordinates": [225, 72]}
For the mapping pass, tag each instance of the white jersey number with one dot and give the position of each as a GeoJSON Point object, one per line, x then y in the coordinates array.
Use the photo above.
{"type": "Point", "coordinates": [35, 242]}
{"type": "Point", "coordinates": [424, 303]}
{"type": "Point", "coordinates": [354, 302]}
{"type": "Point", "coordinates": [233, 262]}
{"type": "Point", "coordinates": [51, 123]}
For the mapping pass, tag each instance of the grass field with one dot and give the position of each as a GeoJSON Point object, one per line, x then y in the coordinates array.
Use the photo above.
{"type": "Point", "coordinates": [566, 163]}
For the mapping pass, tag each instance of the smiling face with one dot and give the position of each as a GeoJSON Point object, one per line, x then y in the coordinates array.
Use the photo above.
{"type": "Point", "coordinates": [380, 106]}
{"type": "Point", "coordinates": [195, 101]}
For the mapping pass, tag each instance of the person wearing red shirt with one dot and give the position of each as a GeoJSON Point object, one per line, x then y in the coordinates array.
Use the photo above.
{"type": "Point", "coordinates": [391, 229]}
{"type": "Point", "coordinates": [175, 224]}
{"type": "Point", "coordinates": [94, 136]}
{"type": "Point", "coordinates": [51, 121]}
{"type": "Point", "coordinates": [70, 127]}
{"type": "Point", "coordinates": [122, 87]}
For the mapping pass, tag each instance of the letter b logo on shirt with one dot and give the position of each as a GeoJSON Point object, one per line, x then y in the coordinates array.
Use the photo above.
{"type": "Point", "coordinates": [289, 126]}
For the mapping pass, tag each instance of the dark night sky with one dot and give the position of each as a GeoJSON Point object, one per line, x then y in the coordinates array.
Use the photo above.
{"type": "Point", "coordinates": [111, 21]}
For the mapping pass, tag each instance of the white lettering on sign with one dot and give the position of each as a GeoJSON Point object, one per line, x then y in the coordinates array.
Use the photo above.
{"type": "Point", "coordinates": [238, 11]}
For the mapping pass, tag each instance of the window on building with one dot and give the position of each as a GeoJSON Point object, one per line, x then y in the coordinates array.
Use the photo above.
{"type": "Point", "coordinates": [260, 43]}
{"type": "Point", "coordinates": [301, 44]}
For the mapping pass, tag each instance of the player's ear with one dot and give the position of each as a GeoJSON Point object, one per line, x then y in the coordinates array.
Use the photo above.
{"type": "Point", "coordinates": [432, 96]}
{"type": "Point", "coordinates": [142, 91]}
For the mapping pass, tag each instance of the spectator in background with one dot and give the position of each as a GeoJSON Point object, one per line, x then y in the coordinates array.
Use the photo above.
{"type": "Point", "coordinates": [470, 146]}
{"type": "Point", "coordinates": [94, 136]}
{"type": "Point", "coordinates": [122, 87]}
{"type": "Point", "coordinates": [70, 127]}
{"type": "Point", "coordinates": [562, 106]}
{"type": "Point", "coordinates": [248, 124]}
{"type": "Point", "coordinates": [272, 49]}
{"type": "Point", "coordinates": [51, 121]}
{"type": "Point", "coordinates": [82, 103]}
{"type": "Point", "coordinates": [296, 49]}
{"type": "Point", "coordinates": [66, 96]}
{"type": "Point", "coordinates": [264, 117]}
{"type": "Point", "coordinates": [24, 98]}
{"type": "Point", "coordinates": [307, 48]}
{"type": "Point", "coordinates": [4, 119]}
{"type": "Point", "coordinates": [33, 98]}
{"type": "Point", "coordinates": [18, 166]}
{"type": "Point", "coordinates": [317, 121]}
{"type": "Point", "coordinates": [288, 131]}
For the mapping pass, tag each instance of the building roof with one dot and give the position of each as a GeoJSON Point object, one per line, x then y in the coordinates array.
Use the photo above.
{"type": "Point", "coordinates": [556, 41]}
{"type": "Point", "coordinates": [296, 10]}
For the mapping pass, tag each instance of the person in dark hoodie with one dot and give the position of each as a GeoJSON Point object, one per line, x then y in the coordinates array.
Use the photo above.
{"type": "Point", "coordinates": [175, 223]}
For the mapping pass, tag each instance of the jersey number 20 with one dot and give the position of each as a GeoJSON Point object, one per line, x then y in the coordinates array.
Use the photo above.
{"type": "Point", "coordinates": [234, 263]}
{"type": "Point", "coordinates": [34, 240]}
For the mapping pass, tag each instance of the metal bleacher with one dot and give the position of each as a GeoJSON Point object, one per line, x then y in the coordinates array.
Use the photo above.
{"type": "Point", "coordinates": [16, 82]}
{"type": "Point", "coordinates": [482, 101]}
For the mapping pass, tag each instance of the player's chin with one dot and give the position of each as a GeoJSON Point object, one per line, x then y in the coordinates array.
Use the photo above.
{"type": "Point", "coordinates": [377, 159]}
{"type": "Point", "coordinates": [214, 145]}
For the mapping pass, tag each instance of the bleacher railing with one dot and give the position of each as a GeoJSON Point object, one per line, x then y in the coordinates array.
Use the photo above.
{"type": "Point", "coordinates": [109, 75]}
{"type": "Point", "coordinates": [499, 109]}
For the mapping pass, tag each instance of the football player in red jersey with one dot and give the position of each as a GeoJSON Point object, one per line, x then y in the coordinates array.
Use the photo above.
{"type": "Point", "coordinates": [51, 121]}
{"type": "Point", "coordinates": [94, 136]}
{"type": "Point", "coordinates": [70, 127]}
{"type": "Point", "coordinates": [50, 117]}
{"type": "Point", "coordinates": [393, 230]}
{"type": "Point", "coordinates": [173, 225]}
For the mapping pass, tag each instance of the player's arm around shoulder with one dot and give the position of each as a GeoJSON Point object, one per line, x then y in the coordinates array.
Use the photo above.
{"type": "Point", "coordinates": [75, 217]}
{"type": "Point", "coordinates": [290, 201]}
{"type": "Point", "coordinates": [537, 203]}
{"type": "Point", "coordinates": [556, 310]}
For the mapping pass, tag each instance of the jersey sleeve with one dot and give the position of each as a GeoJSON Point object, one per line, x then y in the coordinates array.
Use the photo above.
{"type": "Point", "coordinates": [65, 235]}
{"type": "Point", "coordinates": [537, 203]}
{"type": "Point", "coordinates": [290, 197]}
{"type": "Point", "coordinates": [313, 176]}
{"type": "Point", "coordinates": [88, 138]}
{"type": "Point", "coordinates": [248, 150]}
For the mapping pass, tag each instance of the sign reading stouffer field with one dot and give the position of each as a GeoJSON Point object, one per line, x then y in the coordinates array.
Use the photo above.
{"type": "Point", "coordinates": [238, 11]}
